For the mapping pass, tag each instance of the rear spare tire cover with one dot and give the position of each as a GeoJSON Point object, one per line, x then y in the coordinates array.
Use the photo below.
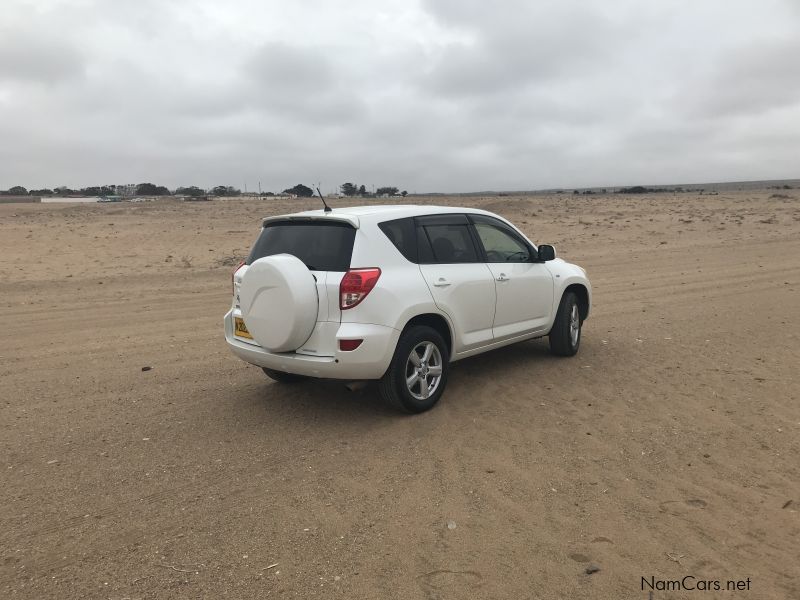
{"type": "Point", "coordinates": [279, 302]}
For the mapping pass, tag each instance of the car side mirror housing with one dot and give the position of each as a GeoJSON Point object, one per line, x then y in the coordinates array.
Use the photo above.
{"type": "Point", "coordinates": [546, 252]}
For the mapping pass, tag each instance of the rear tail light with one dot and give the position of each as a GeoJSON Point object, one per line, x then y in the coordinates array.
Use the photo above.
{"type": "Point", "coordinates": [233, 275]}
{"type": "Point", "coordinates": [356, 285]}
{"type": "Point", "coordinates": [349, 345]}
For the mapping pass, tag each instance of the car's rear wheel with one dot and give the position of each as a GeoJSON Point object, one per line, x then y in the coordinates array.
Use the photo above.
{"type": "Point", "coordinates": [417, 375]}
{"type": "Point", "coordinates": [281, 376]}
{"type": "Point", "coordinates": [565, 336]}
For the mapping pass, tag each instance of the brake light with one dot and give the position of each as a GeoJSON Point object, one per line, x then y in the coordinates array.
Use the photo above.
{"type": "Point", "coordinates": [356, 285]}
{"type": "Point", "coordinates": [233, 274]}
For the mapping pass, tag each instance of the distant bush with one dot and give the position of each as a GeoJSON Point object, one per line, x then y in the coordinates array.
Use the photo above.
{"type": "Point", "coordinates": [388, 190]}
{"type": "Point", "coordinates": [192, 191]}
{"type": "Point", "coordinates": [640, 189]}
{"type": "Point", "coordinates": [226, 190]}
{"type": "Point", "coordinates": [17, 190]}
{"type": "Point", "coordinates": [303, 191]}
{"type": "Point", "coordinates": [151, 189]}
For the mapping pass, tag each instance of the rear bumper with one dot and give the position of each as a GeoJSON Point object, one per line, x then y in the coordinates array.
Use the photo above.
{"type": "Point", "coordinates": [369, 361]}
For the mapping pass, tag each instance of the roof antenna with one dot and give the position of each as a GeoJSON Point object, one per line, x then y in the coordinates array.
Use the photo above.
{"type": "Point", "coordinates": [327, 208]}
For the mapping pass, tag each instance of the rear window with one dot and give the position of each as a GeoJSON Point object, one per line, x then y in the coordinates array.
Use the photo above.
{"type": "Point", "coordinates": [321, 245]}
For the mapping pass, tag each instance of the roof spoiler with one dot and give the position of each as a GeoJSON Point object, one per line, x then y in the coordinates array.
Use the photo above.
{"type": "Point", "coordinates": [342, 218]}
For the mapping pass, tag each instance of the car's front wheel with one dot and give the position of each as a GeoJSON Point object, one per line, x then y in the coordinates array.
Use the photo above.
{"type": "Point", "coordinates": [565, 336]}
{"type": "Point", "coordinates": [417, 375]}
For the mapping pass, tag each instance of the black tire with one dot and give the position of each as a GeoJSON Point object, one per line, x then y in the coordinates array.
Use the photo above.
{"type": "Point", "coordinates": [282, 377]}
{"type": "Point", "coordinates": [392, 386]}
{"type": "Point", "coordinates": [562, 342]}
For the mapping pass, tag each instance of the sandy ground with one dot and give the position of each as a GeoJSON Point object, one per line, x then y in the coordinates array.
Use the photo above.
{"type": "Point", "coordinates": [667, 447]}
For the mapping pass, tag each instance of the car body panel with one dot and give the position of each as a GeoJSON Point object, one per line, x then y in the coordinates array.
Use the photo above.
{"type": "Point", "coordinates": [368, 361]}
{"type": "Point", "coordinates": [466, 293]}
{"type": "Point", "coordinates": [564, 275]}
{"type": "Point", "coordinates": [524, 298]}
{"type": "Point", "coordinates": [481, 312]}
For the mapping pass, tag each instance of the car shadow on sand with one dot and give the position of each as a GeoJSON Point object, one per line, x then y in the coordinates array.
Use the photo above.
{"type": "Point", "coordinates": [528, 354]}
{"type": "Point", "coordinates": [326, 399]}
{"type": "Point", "coordinates": [331, 400]}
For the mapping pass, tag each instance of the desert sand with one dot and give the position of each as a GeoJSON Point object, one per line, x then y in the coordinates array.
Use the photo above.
{"type": "Point", "coordinates": [668, 447]}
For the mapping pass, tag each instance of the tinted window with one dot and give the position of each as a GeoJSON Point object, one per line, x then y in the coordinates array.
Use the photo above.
{"type": "Point", "coordinates": [500, 245]}
{"type": "Point", "coordinates": [402, 234]}
{"type": "Point", "coordinates": [451, 243]}
{"type": "Point", "coordinates": [321, 245]}
{"type": "Point", "coordinates": [424, 250]}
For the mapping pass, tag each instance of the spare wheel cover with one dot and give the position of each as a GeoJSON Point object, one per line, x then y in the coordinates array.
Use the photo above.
{"type": "Point", "coordinates": [279, 302]}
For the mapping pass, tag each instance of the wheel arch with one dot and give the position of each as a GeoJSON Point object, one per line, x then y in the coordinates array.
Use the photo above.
{"type": "Point", "coordinates": [435, 321]}
{"type": "Point", "coordinates": [582, 293]}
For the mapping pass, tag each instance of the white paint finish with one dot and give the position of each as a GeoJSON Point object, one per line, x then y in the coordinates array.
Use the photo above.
{"type": "Point", "coordinates": [524, 298]}
{"type": "Point", "coordinates": [566, 274]}
{"type": "Point", "coordinates": [279, 302]}
{"type": "Point", "coordinates": [369, 361]}
{"type": "Point", "coordinates": [466, 292]}
{"type": "Point", "coordinates": [322, 341]}
{"type": "Point", "coordinates": [399, 288]}
{"type": "Point", "coordinates": [481, 312]}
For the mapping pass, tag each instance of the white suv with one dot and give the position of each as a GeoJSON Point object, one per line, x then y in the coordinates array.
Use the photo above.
{"type": "Point", "coordinates": [397, 293]}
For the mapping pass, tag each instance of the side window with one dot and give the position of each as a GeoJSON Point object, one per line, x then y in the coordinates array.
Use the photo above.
{"type": "Point", "coordinates": [424, 250]}
{"type": "Point", "coordinates": [401, 233]}
{"type": "Point", "coordinates": [500, 245]}
{"type": "Point", "coordinates": [451, 243]}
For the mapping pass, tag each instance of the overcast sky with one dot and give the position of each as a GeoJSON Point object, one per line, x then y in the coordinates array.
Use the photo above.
{"type": "Point", "coordinates": [429, 95]}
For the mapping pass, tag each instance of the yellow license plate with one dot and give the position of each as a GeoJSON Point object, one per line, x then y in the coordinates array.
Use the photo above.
{"type": "Point", "coordinates": [240, 329]}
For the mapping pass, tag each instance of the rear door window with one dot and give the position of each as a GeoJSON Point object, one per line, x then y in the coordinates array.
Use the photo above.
{"type": "Point", "coordinates": [447, 239]}
{"type": "Point", "coordinates": [321, 245]}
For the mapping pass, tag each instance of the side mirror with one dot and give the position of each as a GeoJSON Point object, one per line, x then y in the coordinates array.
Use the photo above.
{"type": "Point", "coordinates": [546, 252]}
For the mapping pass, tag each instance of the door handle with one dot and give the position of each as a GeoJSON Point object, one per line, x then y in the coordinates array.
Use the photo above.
{"type": "Point", "coordinates": [502, 277]}
{"type": "Point", "coordinates": [441, 282]}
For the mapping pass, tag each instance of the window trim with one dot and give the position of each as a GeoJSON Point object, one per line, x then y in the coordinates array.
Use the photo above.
{"type": "Point", "coordinates": [468, 219]}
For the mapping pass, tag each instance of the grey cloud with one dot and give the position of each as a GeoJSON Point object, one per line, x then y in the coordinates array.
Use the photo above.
{"type": "Point", "coordinates": [759, 76]}
{"type": "Point", "coordinates": [284, 69]}
{"type": "Point", "coordinates": [30, 58]}
{"type": "Point", "coordinates": [438, 95]}
{"type": "Point", "coordinates": [301, 83]}
{"type": "Point", "coordinates": [527, 46]}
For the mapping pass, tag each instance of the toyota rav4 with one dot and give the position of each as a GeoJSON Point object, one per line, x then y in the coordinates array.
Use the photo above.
{"type": "Point", "coordinates": [396, 294]}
